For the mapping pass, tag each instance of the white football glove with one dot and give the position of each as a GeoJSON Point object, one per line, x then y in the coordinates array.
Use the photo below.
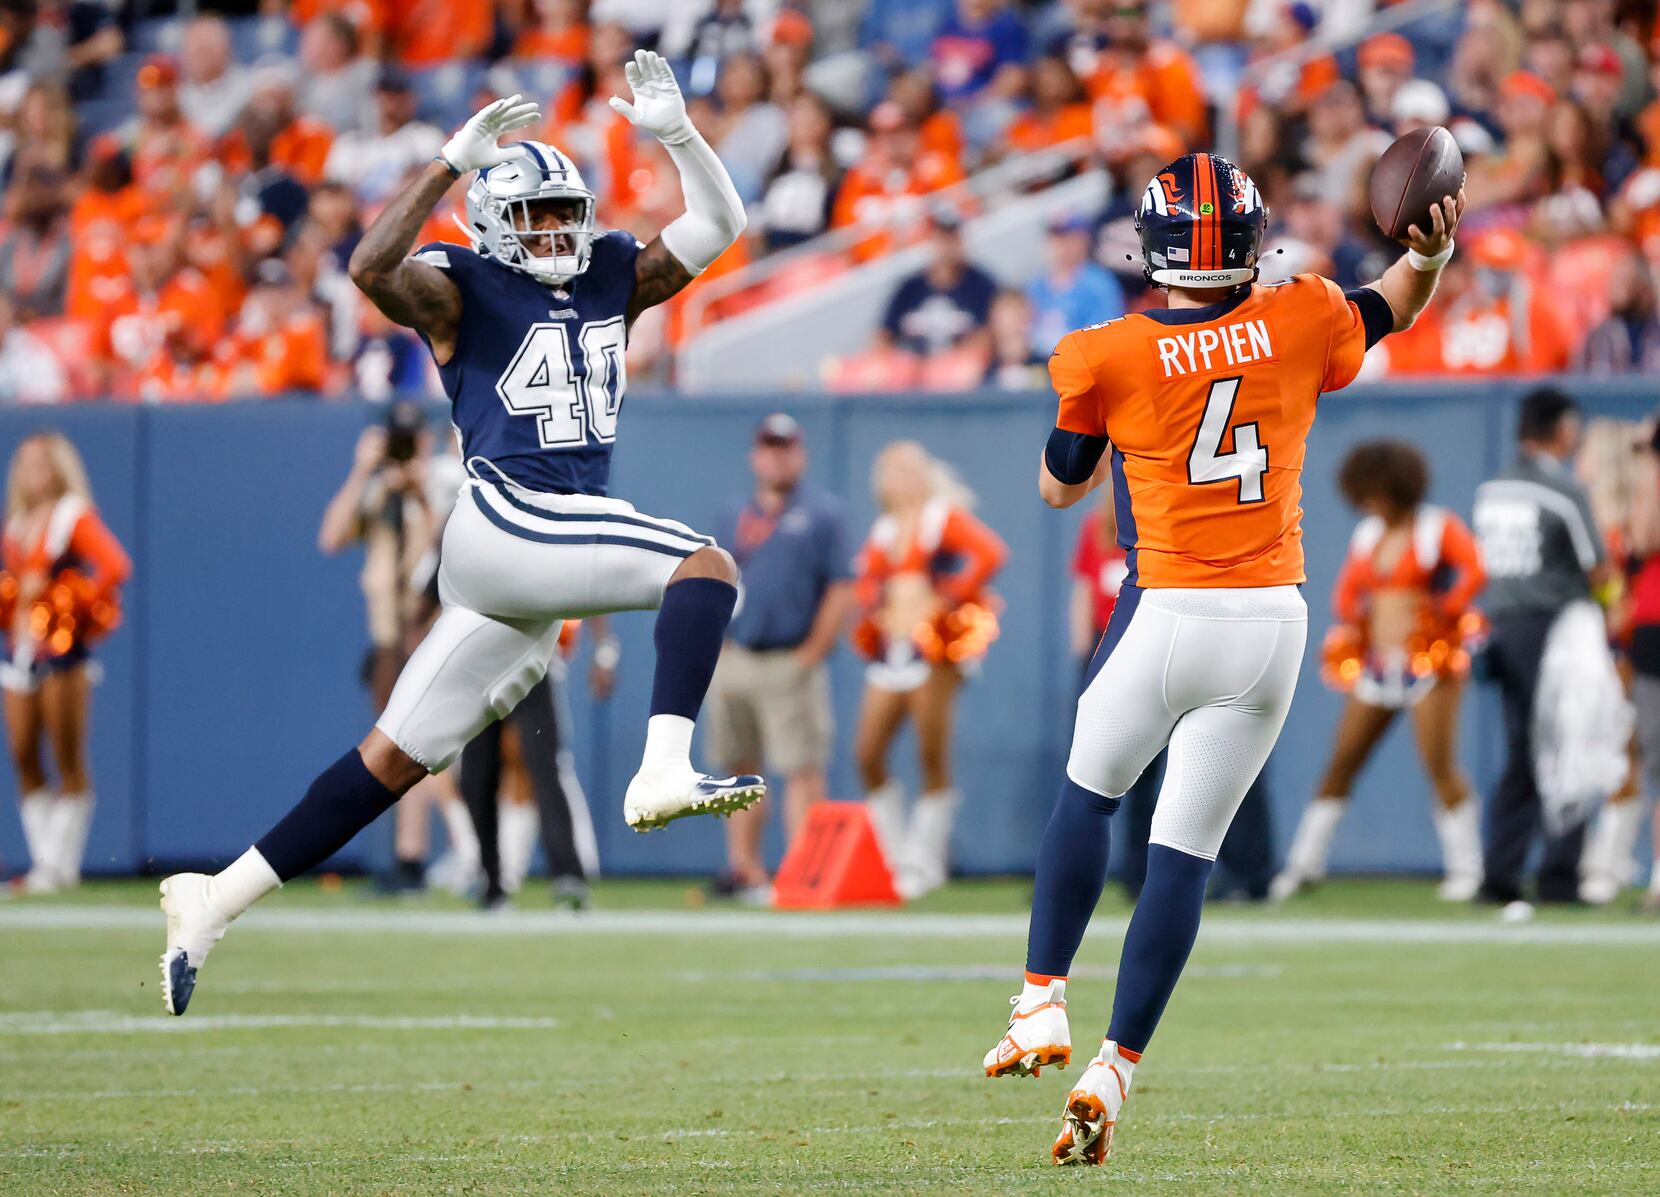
{"type": "Point", "coordinates": [474, 145]}
{"type": "Point", "coordinates": [658, 106]}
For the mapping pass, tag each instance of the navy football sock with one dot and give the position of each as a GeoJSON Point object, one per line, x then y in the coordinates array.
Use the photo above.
{"type": "Point", "coordinates": [1161, 934]}
{"type": "Point", "coordinates": [1071, 872]}
{"type": "Point", "coordinates": [690, 626]}
{"type": "Point", "coordinates": [343, 800]}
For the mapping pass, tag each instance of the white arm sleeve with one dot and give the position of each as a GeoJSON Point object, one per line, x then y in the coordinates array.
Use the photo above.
{"type": "Point", "coordinates": [714, 214]}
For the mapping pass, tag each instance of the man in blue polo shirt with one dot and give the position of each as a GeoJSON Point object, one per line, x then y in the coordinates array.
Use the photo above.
{"type": "Point", "coordinates": [770, 699]}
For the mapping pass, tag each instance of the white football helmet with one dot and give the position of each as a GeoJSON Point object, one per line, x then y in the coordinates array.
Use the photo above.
{"type": "Point", "coordinates": [499, 217]}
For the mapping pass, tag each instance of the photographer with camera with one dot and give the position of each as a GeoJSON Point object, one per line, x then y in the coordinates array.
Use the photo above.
{"type": "Point", "coordinates": [394, 503]}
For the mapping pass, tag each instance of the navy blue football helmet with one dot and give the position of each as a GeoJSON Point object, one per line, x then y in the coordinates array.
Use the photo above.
{"type": "Point", "coordinates": [1201, 222]}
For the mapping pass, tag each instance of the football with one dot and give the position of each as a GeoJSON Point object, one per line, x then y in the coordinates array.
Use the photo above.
{"type": "Point", "coordinates": [1415, 173]}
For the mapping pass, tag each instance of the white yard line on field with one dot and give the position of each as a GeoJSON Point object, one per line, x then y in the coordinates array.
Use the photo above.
{"type": "Point", "coordinates": [1219, 928]}
{"type": "Point", "coordinates": [88, 1022]}
{"type": "Point", "coordinates": [1584, 1051]}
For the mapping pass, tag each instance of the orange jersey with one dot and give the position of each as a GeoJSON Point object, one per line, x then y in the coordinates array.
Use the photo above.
{"type": "Point", "coordinates": [1441, 559]}
{"type": "Point", "coordinates": [1208, 412]}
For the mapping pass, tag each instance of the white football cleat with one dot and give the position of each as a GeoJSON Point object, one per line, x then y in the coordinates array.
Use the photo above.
{"type": "Point", "coordinates": [656, 799]}
{"type": "Point", "coordinates": [193, 927]}
{"type": "Point", "coordinates": [1091, 1112]}
{"type": "Point", "coordinates": [1035, 1039]}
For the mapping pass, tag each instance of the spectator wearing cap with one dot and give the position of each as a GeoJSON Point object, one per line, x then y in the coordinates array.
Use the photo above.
{"type": "Point", "coordinates": [1520, 173]}
{"type": "Point", "coordinates": [337, 82]}
{"type": "Point", "coordinates": [882, 187]}
{"type": "Point", "coordinates": [1073, 292]}
{"type": "Point", "coordinates": [797, 199]}
{"type": "Point", "coordinates": [1288, 77]}
{"type": "Point", "coordinates": [374, 161]}
{"type": "Point", "coordinates": [1418, 104]}
{"type": "Point", "coordinates": [1384, 63]}
{"type": "Point", "coordinates": [1598, 84]}
{"type": "Point", "coordinates": [946, 304]}
{"type": "Point", "coordinates": [35, 252]}
{"type": "Point", "coordinates": [769, 704]}
{"type": "Point", "coordinates": [980, 48]}
{"type": "Point", "coordinates": [161, 143]}
{"type": "Point", "coordinates": [213, 87]}
{"type": "Point", "coordinates": [1627, 341]}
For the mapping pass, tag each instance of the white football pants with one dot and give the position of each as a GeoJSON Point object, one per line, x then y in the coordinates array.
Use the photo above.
{"type": "Point", "coordinates": [515, 564]}
{"type": "Point", "coordinates": [1210, 673]}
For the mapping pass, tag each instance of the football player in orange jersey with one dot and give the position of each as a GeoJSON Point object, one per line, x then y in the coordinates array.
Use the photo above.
{"type": "Point", "coordinates": [1205, 406]}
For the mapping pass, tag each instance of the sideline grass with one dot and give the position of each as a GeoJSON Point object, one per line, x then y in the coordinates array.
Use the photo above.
{"type": "Point", "coordinates": [699, 1061]}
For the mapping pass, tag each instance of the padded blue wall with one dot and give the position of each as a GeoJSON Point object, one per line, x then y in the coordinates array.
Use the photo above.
{"type": "Point", "coordinates": [234, 678]}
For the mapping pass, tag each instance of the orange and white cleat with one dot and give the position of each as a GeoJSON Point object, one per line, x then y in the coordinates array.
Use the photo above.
{"type": "Point", "coordinates": [1092, 1109]}
{"type": "Point", "coordinates": [1038, 1036]}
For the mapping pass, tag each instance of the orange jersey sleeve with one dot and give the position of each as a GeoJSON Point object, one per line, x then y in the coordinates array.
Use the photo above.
{"type": "Point", "coordinates": [1462, 555]}
{"type": "Point", "coordinates": [981, 551]}
{"type": "Point", "coordinates": [1208, 411]}
{"type": "Point", "coordinates": [108, 563]}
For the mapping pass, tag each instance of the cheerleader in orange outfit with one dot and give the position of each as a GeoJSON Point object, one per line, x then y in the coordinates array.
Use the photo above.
{"type": "Point", "coordinates": [58, 595]}
{"type": "Point", "coordinates": [1403, 608]}
{"type": "Point", "coordinates": [928, 618]}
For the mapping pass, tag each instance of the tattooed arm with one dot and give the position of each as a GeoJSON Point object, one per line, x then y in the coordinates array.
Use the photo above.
{"type": "Point", "coordinates": [414, 294]}
{"type": "Point", "coordinates": [714, 214]}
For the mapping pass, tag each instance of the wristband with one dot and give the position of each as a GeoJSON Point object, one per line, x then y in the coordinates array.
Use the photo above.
{"type": "Point", "coordinates": [1418, 261]}
{"type": "Point", "coordinates": [455, 173]}
{"type": "Point", "coordinates": [607, 653]}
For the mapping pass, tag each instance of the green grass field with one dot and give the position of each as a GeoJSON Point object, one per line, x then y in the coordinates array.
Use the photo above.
{"type": "Point", "coordinates": [1362, 1040]}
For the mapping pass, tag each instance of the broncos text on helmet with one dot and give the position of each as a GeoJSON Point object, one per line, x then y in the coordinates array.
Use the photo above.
{"type": "Point", "coordinates": [500, 213]}
{"type": "Point", "coordinates": [1201, 221]}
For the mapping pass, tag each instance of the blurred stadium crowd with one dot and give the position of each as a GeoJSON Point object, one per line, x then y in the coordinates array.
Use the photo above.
{"type": "Point", "coordinates": [182, 190]}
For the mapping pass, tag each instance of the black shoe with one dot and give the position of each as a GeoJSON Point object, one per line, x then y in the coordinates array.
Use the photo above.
{"type": "Point", "coordinates": [1494, 894]}
{"type": "Point", "coordinates": [405, 877]}
{"type": "Point", "coordinates": [493, 899]}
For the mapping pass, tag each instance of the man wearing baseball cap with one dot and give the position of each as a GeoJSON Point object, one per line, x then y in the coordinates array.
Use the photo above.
{"type": "Point", "coordinates": [770, 699]}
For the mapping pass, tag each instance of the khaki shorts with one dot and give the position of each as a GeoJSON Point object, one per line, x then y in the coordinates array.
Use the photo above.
{"type": "Point", "coordinates": [764, 711]}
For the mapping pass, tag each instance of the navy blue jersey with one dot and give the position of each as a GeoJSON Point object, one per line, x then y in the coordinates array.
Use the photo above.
{"type": "Point", "coordinates": [537, 377]}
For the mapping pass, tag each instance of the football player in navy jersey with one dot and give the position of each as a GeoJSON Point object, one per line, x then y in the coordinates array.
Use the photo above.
{"type": "Point", "coordinates": [528, 328]}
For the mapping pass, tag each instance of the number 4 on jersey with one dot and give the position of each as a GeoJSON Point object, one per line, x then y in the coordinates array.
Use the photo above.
{"type": "Point", "coordinates": [1207, 463]}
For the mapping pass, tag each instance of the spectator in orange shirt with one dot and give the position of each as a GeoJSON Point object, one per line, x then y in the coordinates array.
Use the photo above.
{"type": "Point", "coordinates": [163, 312]}
{"type": "Point", "coordinates": [939, 131]}
{"type": "Point", "coordinates": [280, 344]}
{"type": "Point", "coordinates": [1520, 173]}
{"type": "Point", "coordinates": [1120, 62]}
{"type": "Point", "coordinates": [884, 187]}
{"type": "Point", "coordinates": [427, 33]}
{"type": "Point", "coordinates": [1058, 112]}
{"type": "Point", "coordinates": [165, 149]}
{"type": "Point", "coordinates": [299, 145]}
{"type": "Point", "coordinates": [560, 32]}
{"type": "Point", "coordinates": [34, 255]}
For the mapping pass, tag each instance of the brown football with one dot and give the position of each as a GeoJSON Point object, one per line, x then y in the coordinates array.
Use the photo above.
{"type": "Point", "coordinates": [1417, 172]}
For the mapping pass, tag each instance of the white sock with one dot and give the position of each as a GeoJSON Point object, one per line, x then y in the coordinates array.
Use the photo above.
{"type": "Point", "coordinates": [1459, 830]}
{"type": "Point", "coordinates": [928, 844]}
{"type": "Point", "coordinates": [35, 810]}
{"type": "Point", "coordinates": [1610, 848]}
{"type": "Point", "coordinates": [1033, 996]}
{"type": "Point", "coordinates": [69, 822]}
{"type": "Point", "coordinates": [1654, 876]}
{"type": "Point", "coordinates": [886, 807]}
{"type": "Point", "coordinates": [668, 744]}
{"type": "Point", "coordinates": [516, 826]}
{"type": "Point", "coordinates": [458, 825]}
{"type": "Point", "coordinates": [241, 883]}
{"type": "Point", "coordinates": [1312, 843]}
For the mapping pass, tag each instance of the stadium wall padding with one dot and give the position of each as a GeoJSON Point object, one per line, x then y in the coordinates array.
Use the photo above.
{"type": "Point", "coordinates": [234, 678]}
